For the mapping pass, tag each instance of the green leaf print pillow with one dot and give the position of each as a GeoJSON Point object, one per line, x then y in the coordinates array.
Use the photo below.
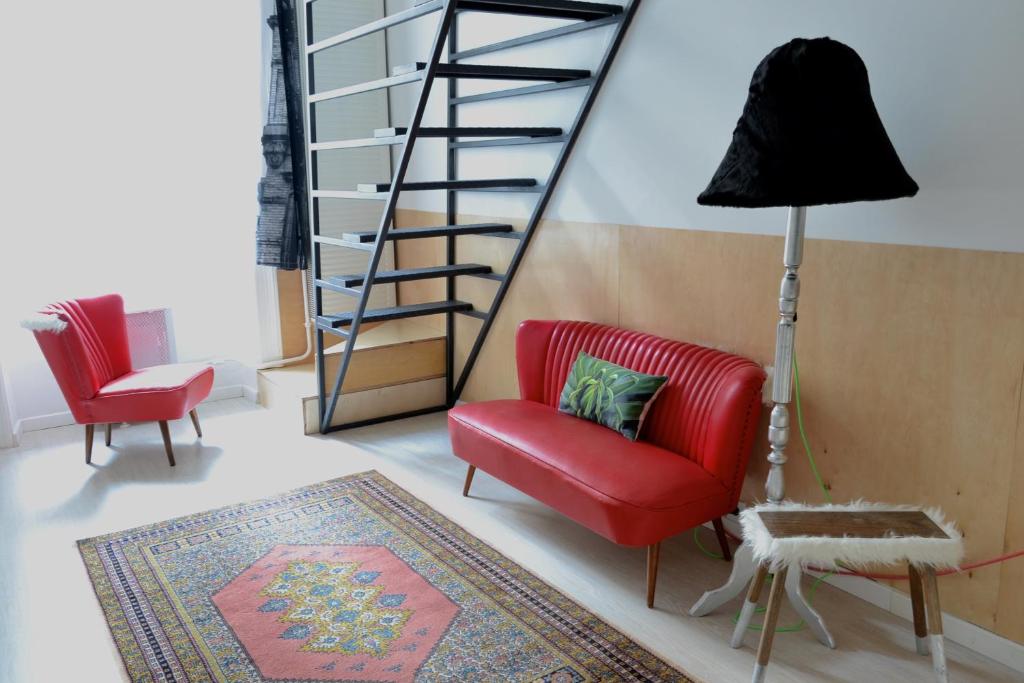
{"type": "Point", "coordinates": [609, 394]}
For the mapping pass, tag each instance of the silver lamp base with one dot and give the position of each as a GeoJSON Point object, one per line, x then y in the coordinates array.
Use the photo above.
{"type": "Point", "coordinates": [743, 567]}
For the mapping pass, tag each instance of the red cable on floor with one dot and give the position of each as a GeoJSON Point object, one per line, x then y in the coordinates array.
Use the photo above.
{"type": "Point", "coordinates": [904, 577]}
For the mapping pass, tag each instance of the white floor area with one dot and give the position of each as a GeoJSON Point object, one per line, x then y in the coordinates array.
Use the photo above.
{"type": "Point", "coordinates": [51, 628]}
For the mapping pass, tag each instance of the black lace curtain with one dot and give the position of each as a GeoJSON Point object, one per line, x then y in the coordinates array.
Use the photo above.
{"type": "Point", "coordinates": [282, 233]}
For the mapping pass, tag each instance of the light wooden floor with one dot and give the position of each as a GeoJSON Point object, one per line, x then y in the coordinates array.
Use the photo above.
{"type": "Point", "coordinates": [51, 628]}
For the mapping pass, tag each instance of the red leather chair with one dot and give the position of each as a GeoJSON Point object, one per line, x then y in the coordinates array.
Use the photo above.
{"type": "Point", "coordinates": [85, 342]}
{"type": "Point", "coordinates": [687, 468]}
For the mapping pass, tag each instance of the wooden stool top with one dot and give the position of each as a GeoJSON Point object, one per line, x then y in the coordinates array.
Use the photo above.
{"type": "Point", "coordinates": [851, 523]}
{"type": "Point", "coordinates": [853, 534]}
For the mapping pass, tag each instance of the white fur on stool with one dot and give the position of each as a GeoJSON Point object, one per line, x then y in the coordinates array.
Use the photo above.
{"type": "Point", "coordinates": [827, 551]}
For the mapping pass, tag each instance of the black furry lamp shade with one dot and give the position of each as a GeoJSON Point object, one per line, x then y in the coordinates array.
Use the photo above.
{"type": "Point", "coordinates": [809, 135]}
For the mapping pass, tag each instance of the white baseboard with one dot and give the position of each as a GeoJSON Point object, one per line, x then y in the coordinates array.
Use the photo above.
{"type": "Point", "coordinates": [64, 418]}
{"type": "Point", "coordinates": [37, 422]}
{"type": "Point", "coordinates": [971, 636]}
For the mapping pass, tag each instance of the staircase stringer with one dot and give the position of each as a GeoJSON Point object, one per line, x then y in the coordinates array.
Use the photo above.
{"type": "Point", "coordinates": [327, 404]}
{"type": "Point", "coordinates": [539, 208]}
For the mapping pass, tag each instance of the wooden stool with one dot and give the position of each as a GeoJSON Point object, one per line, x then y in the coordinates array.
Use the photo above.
{"type": "Point", "coordinates": [792, 536]}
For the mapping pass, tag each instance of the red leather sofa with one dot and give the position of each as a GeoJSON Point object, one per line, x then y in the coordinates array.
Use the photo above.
{"type": "Point", "coordinates": [86, 347]}
{"type": "Point", "coordinates": [686, 468]}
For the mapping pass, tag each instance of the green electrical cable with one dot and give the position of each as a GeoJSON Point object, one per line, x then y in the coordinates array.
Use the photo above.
{"type": "Point", "coordinates": [700, 546]}
{"type": "Point", "coordinates": [803, 434]}
{"type": "Point", "coordinates": [798, 626]}
{"type": "Point", "coordinates": [824, 489]}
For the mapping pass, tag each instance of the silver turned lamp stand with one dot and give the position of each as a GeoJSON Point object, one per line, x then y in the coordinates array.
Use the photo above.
{"type": "Point", "coordinates": [744, 568]}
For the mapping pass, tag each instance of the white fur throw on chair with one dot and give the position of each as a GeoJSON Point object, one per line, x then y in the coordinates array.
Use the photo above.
{"type": "Point", "coordinates": [830, 551]}
{"type": "Point", "coordinates": [45, 322]}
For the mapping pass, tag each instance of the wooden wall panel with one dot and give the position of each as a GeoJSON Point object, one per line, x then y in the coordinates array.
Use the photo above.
{"type": "Point", "coordinates": [912, 362]}
{"type": "Point", "coordinates": [1010, 612]}
{"type": "Point", "coordinates": [289, 302]}
{"type": "Point", "coordinates": [910, 358]}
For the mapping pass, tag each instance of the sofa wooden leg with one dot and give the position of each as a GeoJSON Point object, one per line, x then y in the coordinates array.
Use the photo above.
{"type": "Point", "coordinates": [166, 433]}
{"type": "Point", "coordinates": [108, 428]}
{"type": "Point", "coordinates": [195, 422]}
{"type": "Point", "coordinates": [89, 431]}
{"type": "Point", "coordinates": [469, 480]}
{"type": "Point", "coordinates": [723, 540]}
{"type": "Point", "coordinates": [653, 552]}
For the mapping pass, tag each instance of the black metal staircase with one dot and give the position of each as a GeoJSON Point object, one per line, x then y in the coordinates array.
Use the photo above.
{"type": "Point", "coordinates": [445, 61]}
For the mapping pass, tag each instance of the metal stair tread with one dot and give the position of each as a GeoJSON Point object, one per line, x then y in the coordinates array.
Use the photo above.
{"type": "Point", "coordinates": [370, 236]}
{"type": "Point", "coordinates": [470, 131]}
{"type": "Point", "coordinates": [500, 72]}
{"type": "Point", "coordinates": [409, 274]}
{"type": "Point", "coordinates": [561, 9]}
{"type": "Point", "coordinates": [396, 312]}
{"type": "Point", "coordinates": [466, 184]}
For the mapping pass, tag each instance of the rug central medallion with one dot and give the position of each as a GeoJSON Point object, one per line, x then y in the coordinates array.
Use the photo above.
{"type": "Point", "coordinates": [307, 611]}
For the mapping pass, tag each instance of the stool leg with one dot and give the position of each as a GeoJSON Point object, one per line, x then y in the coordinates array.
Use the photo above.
{"type": "Point", "coordinates": [934, 612]}
{"type": "Point", "coordinates": [749, 606]}
{"type": "Point", "coordinates": [771, 619]}
{"type": "Point", "coordinates": [917, 602]}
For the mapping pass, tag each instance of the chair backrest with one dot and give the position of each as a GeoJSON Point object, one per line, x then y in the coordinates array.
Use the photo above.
{"type": "Point", "coordinates": [91, 350]}
{"type": "Point", "coordinates": [708, 410]}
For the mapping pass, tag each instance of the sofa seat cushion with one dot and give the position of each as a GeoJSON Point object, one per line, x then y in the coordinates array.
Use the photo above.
{"type": "Point", "coordinates": [162, 392]}
{"type": "Point", "coordinates": [633, 493]}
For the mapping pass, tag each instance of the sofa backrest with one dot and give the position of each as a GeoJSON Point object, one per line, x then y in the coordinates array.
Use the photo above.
{"type": "Point", "coordinates": [91, 350]}
{"type": "Point", "coordinates": [707, 412]}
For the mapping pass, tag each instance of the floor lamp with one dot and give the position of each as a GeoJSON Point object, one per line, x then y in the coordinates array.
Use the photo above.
{"type": "Point", "coordinates": [809, 135]}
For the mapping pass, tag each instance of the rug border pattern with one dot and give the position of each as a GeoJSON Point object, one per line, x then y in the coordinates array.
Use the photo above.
{"type": "Point", "coordinates": [589, 641]}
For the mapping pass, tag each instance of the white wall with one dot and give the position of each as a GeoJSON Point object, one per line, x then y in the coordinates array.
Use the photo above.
{"type": "Point", "coordinates": [945, 77]}
{"type": "Point", "coordinates": [131, 162]}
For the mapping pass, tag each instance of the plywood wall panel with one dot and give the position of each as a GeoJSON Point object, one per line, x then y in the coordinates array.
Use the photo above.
{"type": "Point", "coordinates": [911, 362]}
{"type": "Point", "coordinates": [571, 272]}
{"type": "Point", "coordinates": [291, 311]}
{"type": "Point", "coordinates": [1010, 612]}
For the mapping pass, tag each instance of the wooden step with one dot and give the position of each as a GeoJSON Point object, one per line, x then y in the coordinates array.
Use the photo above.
{"type": "Point", "coordinates": [490, 71]}
{"type": "Point", "coordinates": [409, 274]}
{"type": "Point", "coordinates": [396, 366]}
{"type": "Point", "coordinates": [471, 132]}
{"type": "Point", "coordinates": [561, 9]}
{"type": "Point", "coordinates": [395, 313]}
{"type": "Point", "coordinates": [370, 236]}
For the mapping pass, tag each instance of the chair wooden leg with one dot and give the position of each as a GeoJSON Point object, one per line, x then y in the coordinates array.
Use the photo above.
{"type": "Point", "coordinates": [917, 602]}
{"type": "Point", "coordinates": [195, 422]}
{"type": "Point", "coordinates": [723, 540]}
{"type": "Point", "coordinates": [166, 433]}
{"type": "Point", "coordinates": [934, 612]}
{"type": "Point", "coordinates": [653, 553]}
{"type": "Point", "coordinates": [108, 428]}
{"type": "Point", "coordinates": [771, 620]}
{"type": "Point", "coordinates": [469, 480]}
{"type": "Point", "coordinates": [89, 431]}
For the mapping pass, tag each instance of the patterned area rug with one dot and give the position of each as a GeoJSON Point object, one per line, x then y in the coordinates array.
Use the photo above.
{"type": "Point", "coordinates": [348, 580]}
